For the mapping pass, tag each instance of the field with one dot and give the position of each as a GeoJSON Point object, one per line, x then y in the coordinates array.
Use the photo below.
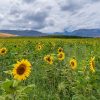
{"type": "Point", "coordinates": [6, 35]}
{"type": "Point", "coordinates": [61, 69]}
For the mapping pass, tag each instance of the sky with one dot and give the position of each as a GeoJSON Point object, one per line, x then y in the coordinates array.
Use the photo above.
{"type": "Point", "coordinates": [49, 16]}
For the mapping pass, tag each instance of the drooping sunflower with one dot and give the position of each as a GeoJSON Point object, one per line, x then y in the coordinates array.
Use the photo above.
{"type": "Point", "coordinates": [49, 59]}
{"type": "Point", "coordinates": [39, 46]}
{"type": "Point", "coordinates": [60, 50]}
{"type": "Point", "coordinates": [3, 51]}
{"type": "Point", "coordinates": [21, 69]}
{"type": "Point", "coordinates": [92, 64]}
{"type": "Point", "coordinates": [61, 56]}
{"type": "Point", "coordinates": [73, 63]}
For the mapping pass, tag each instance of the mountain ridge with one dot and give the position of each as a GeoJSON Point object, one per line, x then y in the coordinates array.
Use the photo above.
{"type": "Point", "coordinates": [24, 32]}
{"type": "Point", "coordinates": [82, 33]}
{"type": "Point", "coordinates": [79, 32]}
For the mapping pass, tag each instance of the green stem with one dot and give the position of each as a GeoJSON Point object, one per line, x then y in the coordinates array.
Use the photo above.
{"type": "Point", "coordinates": [13, 96]}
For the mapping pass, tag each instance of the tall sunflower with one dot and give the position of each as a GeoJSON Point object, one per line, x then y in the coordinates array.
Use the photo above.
{"type": "Point", "coordinates": [92, 64]}
{"type": "Point", "coordinates": [61, 56]}
{"type": "Point", "coordinates": [39, 46]}
{"type": "Point", "coordinates": [60, 50]}
{"type": "Point", "coordinates": [48, 59]}
{"type": "Point", "coordinates": [73, 63]}
{"type": "Point", "coordinates": [3, 51]}
{"type": "Point", "coordinates": [21, 69]}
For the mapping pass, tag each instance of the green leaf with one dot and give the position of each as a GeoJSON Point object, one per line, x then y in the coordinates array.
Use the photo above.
{"type": "Point", "coordinates": [28, 89]}
{"type": "Point", "coordinates": [79, 97]}
{"type": "Point", "coordinates": [61, 86]}
{"type": "Point", "coordinates": [7, 86]}
{"type": "Point", "coordinates": [16, 83]}
{"type": "Point", "coordinates": [8, 72]}
{"type": "Point", "coordinates": [6, 97]}
{"type": "Point", "coordinates": [2, 98]}
{"type": "Point", "coordinates": [92, 98]}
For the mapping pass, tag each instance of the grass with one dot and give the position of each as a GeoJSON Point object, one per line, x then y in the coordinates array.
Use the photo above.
{"type": "Point", "coordinates": [56, 81]}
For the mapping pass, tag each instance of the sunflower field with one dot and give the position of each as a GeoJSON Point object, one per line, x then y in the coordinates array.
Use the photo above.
{"type": "Point", "coordinates": [49, 69]}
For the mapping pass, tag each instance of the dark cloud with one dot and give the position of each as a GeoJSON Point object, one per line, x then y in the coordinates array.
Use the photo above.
{"type": "Point", "coordinates": [69, 6]}
{"type": "Point", "coordinates": [39, 26]}
{"type": "Point", "coordinates": [38, 16]}
{"type": "Point", "coordinates": [1, 20]}
{"type": "Point", "coordinates": [51, 23]}
{"type": "Point", "coordinates": [28, 1]}
{"type": "Point", "coordinates": [15, 12]}
{"type": "Point", "coordinates": [73, 6]}
{"type": "Point", "coordinates": [95, 0]}
{"type": "Point", "coordinates": [37, 20]}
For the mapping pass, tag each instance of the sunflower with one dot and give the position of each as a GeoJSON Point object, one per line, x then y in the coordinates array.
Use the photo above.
{"type": "Point", "coordinates": [60, 50]}
{"type": "Point", "coordinates": [39, 46]}
{"type": "Point", "coordinates": [21, 69]}
{"type": "Point", "coordinates": [48, 59]}
{"type": "Point", "coordinates": [92, 64]}
{"type": "Point", "coordinates": [73, 63]}
{"type": "Point", "coordinates": [61, 56]}
{"type": "Point", "coordinates": [3, 51]}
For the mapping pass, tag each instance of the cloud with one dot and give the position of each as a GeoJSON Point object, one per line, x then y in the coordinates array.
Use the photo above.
{"type": "Point", "coordinates": [28, 1]}
{"type": "Point", "coordinates": [38, 16]}
{"type": "Point", "coordinates": [49, 15]}
{"type": "Point", "coordinates": [86, 18]}
{"type": "Point", "coordinates": [71, 5]}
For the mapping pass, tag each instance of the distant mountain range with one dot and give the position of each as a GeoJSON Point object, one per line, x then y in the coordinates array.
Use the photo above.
{"type": "Point", "coordinates": [80, 33]}
{"type": "Point", "coordinates": [23, 32]}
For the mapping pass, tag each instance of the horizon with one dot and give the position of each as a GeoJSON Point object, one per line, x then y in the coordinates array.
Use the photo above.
{"type": "Point", "coordinates": [34, 33]}
{"type": "Point", "coordinates": [48, 32]}
{"type": "Point", "coordinates": [54, 16]}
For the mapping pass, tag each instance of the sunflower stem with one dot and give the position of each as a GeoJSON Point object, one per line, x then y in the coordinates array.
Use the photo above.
{"type": "Point", "coordinates": [14, 96]}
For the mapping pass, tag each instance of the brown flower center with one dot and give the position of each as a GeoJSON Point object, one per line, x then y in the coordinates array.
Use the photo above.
{"type": "Point", "coordinates": [60, 55]}
{"type": "Point", "coordinates": [60, 50]}
{"type": "Point", "coordinates": [48, 59]}
{"type": "Point", "coordinates": [72, 63]}
{"type": "Point", "coordinates": [39, 47]}
{"type": "Point", "coordinates": [3, 51]}
{"type": "Point", "coordinates": [21, 69]}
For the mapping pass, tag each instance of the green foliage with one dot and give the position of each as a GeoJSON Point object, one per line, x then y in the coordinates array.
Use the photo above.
{"type": "Point", "coordinates": [13, 90]}
{"type": "Point", "coordinates": [51, 82]}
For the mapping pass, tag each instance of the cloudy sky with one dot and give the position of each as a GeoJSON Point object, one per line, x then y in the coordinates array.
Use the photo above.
{"type": "Point", "coordinates": [49, 15]}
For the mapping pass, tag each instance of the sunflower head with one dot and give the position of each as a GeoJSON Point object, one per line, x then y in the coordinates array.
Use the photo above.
{"type": "Point", "coordinates": [73, 63]}
{"type": "Point", "coordinates": [48, 59]}
{"type": "Point", "coordinates": [61, 56]}
{"type": "Point", "coordinates": [39, 46]}
{"type": "Point", "coordinates": [92, 64]}
{"type": "Point", "coordinates": [60, 50]}
{"type": "Point", "coordinates": [21, 69]}
{"type": "Point", "coordinates": [3, 51]}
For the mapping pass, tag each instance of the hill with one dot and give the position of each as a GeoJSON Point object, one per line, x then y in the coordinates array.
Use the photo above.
{"type": "Point", "coordinates": [7, 35]}
{"type": "Point", "coordinates": [75, 33]}
{"type": "Point", "coordinates": [24, 32]}
{"type": "Point", "coordinates": [81, 33]}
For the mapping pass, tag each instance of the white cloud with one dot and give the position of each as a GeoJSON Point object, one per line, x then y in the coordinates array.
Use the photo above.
{"type": "Point", "coordinates": [49, 15]}
{"type": "Point", "coordinates": [87, 17]}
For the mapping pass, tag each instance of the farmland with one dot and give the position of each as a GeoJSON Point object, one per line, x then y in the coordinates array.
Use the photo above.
{"type": "Point", "coordinates": [59, 69]}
